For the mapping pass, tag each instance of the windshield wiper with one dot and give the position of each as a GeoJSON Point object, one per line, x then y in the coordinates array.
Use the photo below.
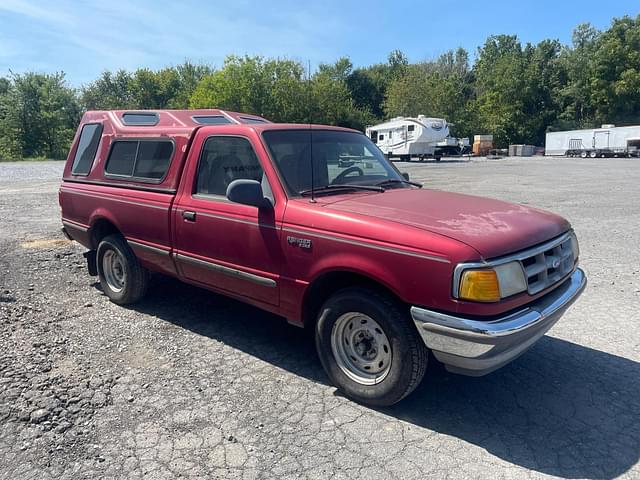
{"type": "Point", "coordinates": [342, 186]}
{"type": "Point", "coordinates": [391, 181]}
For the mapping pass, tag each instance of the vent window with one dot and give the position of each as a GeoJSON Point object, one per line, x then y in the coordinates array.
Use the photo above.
{"type": "Point", "coordinates": [211, 119]}
{"type": "Point", "coordinates": [87, 148]}
{"type": "Point", "coordinates": [140, 119]}
{"type": "Point", "coordinates": [253, 120]}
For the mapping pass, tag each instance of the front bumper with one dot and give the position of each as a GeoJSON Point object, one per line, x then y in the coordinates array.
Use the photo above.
{"type": "Point", "coordinates": [475, 347]}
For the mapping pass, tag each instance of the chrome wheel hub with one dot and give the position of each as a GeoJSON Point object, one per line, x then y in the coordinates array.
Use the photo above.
{"type": "Point", "coordinates": [113, 270]}
{"type": "Point", "coordinates": [361, 348]}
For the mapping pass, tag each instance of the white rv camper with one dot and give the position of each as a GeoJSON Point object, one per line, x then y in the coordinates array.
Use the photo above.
{"type": "Point", "coordinates": [608, 141]}
{"type": "Point", "coordinates": [407, 137]}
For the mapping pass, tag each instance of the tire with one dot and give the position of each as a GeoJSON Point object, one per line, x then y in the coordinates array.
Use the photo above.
{"type": "Point", "coordinates": [583, 154]}
{"type": "Point", "coordinates": [359, 328]}
{"type": "Point", "coordinates": [438, 159]}
{"type": "Point", "coordinates": [122, 277]}
{"type": "Point", "coordinates": [593, 154]}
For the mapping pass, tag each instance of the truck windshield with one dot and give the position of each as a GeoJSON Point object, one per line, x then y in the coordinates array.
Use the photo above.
{"type": "Point", "coordinates": [338, 158]}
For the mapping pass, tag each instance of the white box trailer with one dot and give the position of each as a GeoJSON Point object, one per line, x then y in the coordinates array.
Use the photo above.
{"type": "Point", "coordinates": [607, 141]}
{"type": "Point", "coordinates": [407, 137]}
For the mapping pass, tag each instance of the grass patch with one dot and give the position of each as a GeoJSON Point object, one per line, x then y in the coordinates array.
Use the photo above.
{"type": "Point", "coordinates": [46, 243]}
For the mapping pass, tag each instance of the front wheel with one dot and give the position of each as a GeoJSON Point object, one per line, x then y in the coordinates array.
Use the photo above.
{"type": "Point", "coordinates": [122, 278]}
{"type": "Point", "coordinates": [369, 346]}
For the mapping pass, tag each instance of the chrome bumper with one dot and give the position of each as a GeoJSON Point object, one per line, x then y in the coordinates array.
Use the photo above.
{"type": "Point", "coordinates": [475, 347]}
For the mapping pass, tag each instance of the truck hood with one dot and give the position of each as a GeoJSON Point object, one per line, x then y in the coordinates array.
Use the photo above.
{"type": "Point", "coordinates": [492, 227]}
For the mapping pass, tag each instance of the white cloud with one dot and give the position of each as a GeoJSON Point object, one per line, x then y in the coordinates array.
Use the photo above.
{"type": "Point", "coordinates": [85, 38]}
{"type": "Point", "coordinates": [30, 10]}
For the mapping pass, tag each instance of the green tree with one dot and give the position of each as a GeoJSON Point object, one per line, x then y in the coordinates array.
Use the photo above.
{"type": "Point", "coordinates": [499, 86]}
{"type": "Point", "coordinates": [575, 93]}
{"type": "Point", "coordinates": [109, 91]}
{"type": "Point", "coordinates": [274, 89]}
{"type": "Point", "coordinates": [38, 116]}
{"type": "Point", "coordinates": [189, 76]}
{"type": "Point", "coordinates": [10, 146]}
{"type": "Point", "coordinates": [543, 80]}
{"type": "Point", "coordinates": [438, 89]}
{"type": "Point", "coordinates": [615, 73]}
{"type": "Point", "coordinates": [5, 85]}
{"type": "Point", "coordinates": [368, 85]}
{"type": "Point", "coordinates": [144, 88]}
{"type": "Point", "coordinates": [398, 63]}
{"type": "Point", "coordinates": [331, 97]}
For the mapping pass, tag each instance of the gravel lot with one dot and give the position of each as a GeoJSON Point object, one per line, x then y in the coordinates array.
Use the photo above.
{"type": "Point", "coordinates": [194, 385]}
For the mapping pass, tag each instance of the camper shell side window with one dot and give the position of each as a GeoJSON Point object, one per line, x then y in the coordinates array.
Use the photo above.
{"type": "Point", "coordinates": [140, 159]}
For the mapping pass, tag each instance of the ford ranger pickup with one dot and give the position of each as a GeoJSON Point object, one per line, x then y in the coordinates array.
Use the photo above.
{"type": "Point", "coordinates": [310, 222]}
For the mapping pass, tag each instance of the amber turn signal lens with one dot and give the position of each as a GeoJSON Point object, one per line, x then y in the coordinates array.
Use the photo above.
{"type": "Point", "coordinates": [479, 286]}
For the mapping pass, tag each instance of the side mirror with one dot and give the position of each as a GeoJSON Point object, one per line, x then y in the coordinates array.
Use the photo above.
{"type": "Point", "coordinates": [247, 192]}
{"type": "Point", "coordinates": [406, 176]}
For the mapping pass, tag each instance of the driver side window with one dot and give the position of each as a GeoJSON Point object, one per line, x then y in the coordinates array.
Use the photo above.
{"type": "Point", "coordinates": [223, 160]}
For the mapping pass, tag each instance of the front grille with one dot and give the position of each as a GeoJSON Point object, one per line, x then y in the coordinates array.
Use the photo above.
{"type": "Point", "coordinates": [548, 266]}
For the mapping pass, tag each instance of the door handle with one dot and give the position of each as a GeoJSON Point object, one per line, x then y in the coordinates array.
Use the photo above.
{"type": "Point", "coordinates": [188, 215]}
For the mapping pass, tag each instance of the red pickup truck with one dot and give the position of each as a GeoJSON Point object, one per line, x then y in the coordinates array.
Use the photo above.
{"type": "Point", "coordinates": [312, 223]}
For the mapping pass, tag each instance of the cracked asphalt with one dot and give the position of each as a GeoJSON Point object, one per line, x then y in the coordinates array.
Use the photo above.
{"type": "Point", "coordinates": [189, 384]}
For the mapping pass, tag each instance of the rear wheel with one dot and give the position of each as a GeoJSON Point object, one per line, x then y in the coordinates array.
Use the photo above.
{"type": "Point", "coordinates": [122, 277]}
{"type": "Point", "coordinates": [593, 154]}
{"type": "Point", "coordinates": [369, 346]}
{"type": "Point", "coordinates": [583, 154]}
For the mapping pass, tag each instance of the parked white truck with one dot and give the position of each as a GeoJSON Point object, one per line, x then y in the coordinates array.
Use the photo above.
{"type": "Point", "coordinates": [407, 137]}
{"type": "Point", "coordinates": [607, 141]}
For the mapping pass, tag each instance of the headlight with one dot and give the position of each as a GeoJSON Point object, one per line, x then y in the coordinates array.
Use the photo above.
{"type": "Point", "coordinates": [492, 284]}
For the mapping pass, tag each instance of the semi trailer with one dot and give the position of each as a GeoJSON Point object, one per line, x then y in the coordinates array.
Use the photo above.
{"type": "Point", "coordinates": [607, 141]}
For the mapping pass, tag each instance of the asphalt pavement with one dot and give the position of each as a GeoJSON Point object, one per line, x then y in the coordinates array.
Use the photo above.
{"type": "Point", "coordinates": [189, 384]}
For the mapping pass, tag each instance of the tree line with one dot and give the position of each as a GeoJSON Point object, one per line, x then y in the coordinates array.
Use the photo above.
{"type": "Point", "coordinates": [515, 92]}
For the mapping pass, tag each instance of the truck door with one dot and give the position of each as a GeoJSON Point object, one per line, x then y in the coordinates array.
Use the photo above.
{"type": "Point", "coordinates": [227, 246]}
{"type": "Point", "coordinates": [601, 139]}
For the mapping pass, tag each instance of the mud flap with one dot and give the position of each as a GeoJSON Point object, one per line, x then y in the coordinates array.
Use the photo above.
{"type": "Point", "coordinates": [92, 264]}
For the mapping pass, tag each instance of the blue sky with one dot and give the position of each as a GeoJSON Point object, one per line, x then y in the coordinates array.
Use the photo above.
{"type": "Point", "coordinates": [83, 38]}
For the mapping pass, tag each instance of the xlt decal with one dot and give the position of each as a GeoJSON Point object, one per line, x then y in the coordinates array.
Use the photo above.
{"type": "Point", "coordinates": [300, 242]}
